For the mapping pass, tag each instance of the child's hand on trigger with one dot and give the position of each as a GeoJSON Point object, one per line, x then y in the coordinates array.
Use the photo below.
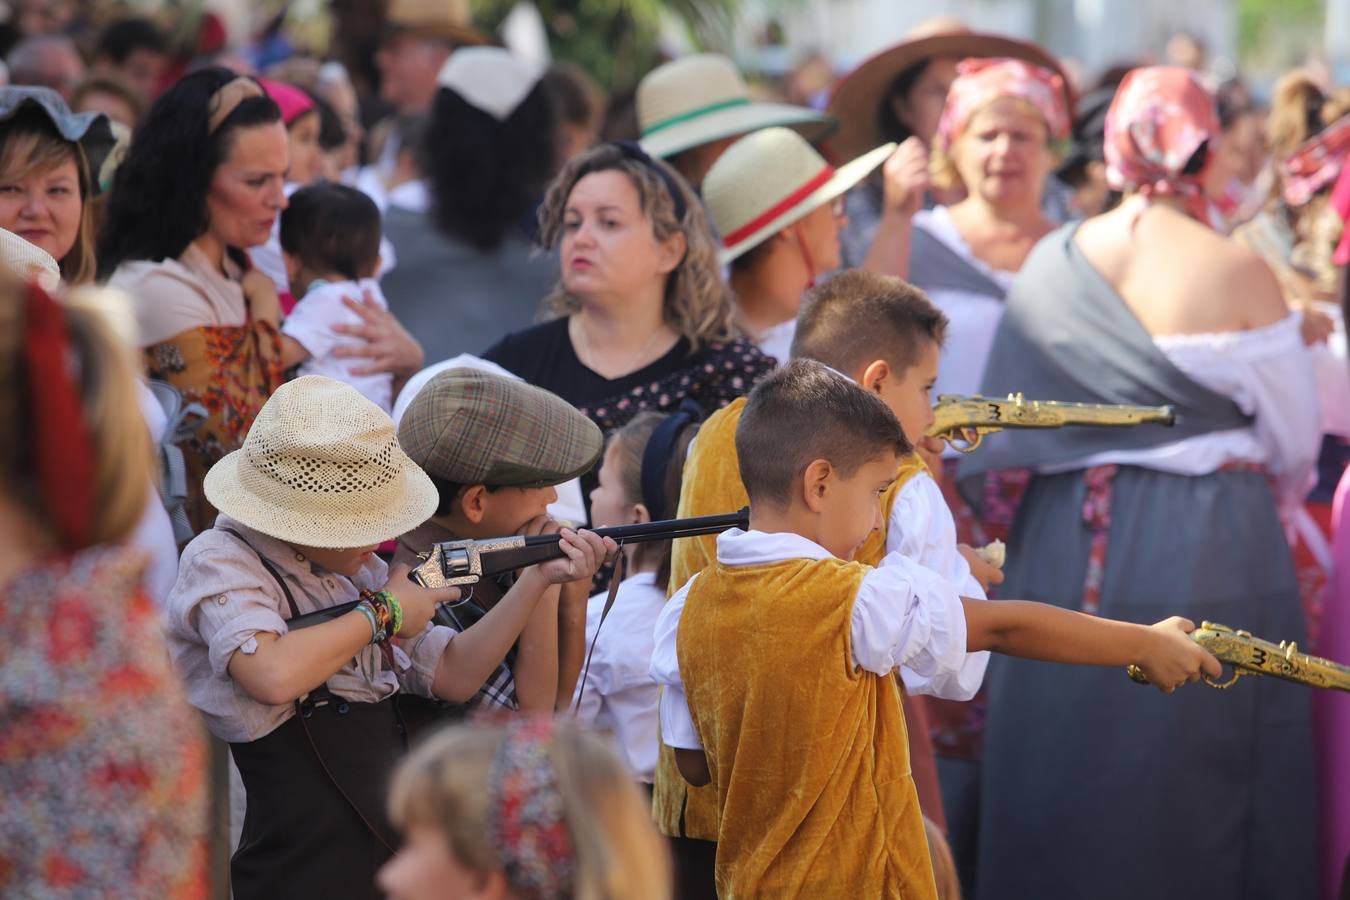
{"type": "Point", "coordinates": [418, 603]}
{"type": "Point", "coordinates": [985, 572]}
{"type": "Point", "coordinates": [1173, 659]}
{"type": "Point", "coordinates": [585, 550]}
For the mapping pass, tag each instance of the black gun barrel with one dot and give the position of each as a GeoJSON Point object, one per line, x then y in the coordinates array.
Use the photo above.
{"type": "Point", "coordinates": [543, 547]}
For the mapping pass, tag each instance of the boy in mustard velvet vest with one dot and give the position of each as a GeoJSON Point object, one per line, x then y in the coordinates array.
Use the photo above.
{"type": "Point", "coordinates": [886, 335]}
{"type": "Point", "coordinates": [778, 687]}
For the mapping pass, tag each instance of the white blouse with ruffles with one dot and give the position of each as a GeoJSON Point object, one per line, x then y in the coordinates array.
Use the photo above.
{"type": "Point", "coordinates": [1268, 372]}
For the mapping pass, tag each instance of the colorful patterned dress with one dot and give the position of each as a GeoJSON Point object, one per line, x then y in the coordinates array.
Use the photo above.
{"type": "Point", "coordinates": [102, 762]}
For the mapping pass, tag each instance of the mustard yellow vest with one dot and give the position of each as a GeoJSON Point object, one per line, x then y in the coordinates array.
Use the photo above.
{"type": "Point", "coordinates": [712, 485]}
{"type": "Point", "coordinates": [808, 753]}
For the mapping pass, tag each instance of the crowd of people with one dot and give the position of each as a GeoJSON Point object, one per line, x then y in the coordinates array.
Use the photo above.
{"type": "Point", "coordinates": [274, 334]}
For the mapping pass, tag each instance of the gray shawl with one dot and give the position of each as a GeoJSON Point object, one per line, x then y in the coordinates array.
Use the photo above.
{"type": "Point", "coordinates": [1067, 335]}
{"type": "Point", "coordinates": [933, 266]}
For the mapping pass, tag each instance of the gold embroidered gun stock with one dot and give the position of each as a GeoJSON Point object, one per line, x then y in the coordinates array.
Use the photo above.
{"type": "Point", "coordinates": [964, 421]}
{"type": "Point", "coordinates": [1253, 656]}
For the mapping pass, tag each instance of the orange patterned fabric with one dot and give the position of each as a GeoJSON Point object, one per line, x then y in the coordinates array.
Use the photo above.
{"type": "Point", "coordinates": [102, 761]}
{"type": "Point", "coordinates": [229, 370]}
{"type": "Point", "coordinates": [808, 753]}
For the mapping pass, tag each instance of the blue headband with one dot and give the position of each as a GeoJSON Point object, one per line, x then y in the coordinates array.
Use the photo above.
{"type": "Point", "coordinates": [631, 150]}
{"type": "Point", "coordinates": [656, 457]}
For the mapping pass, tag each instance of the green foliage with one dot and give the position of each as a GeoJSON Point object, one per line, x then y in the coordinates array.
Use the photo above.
{"type": "Point", "coordinates": [616, 40]}
{"type": "Point", "coordinates": [1262, 23]}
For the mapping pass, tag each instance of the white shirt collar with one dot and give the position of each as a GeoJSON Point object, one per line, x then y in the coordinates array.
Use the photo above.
{"type": "Point", "coordinates": [753, 548]}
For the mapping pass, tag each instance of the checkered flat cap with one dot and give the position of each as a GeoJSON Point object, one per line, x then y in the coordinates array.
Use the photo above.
{"type": "Point", "coordinates": [472, 427]}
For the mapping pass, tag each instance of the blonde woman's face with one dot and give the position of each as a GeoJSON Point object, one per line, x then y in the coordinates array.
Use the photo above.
{"type": "Point", "coordinates": [43, 207]}
{"type": "Point", "coordinates": [425, 869]}
{"type": "Point", "coordinates": [608, 250]}
{"type": "Point", "coordinates": [1004, 154]}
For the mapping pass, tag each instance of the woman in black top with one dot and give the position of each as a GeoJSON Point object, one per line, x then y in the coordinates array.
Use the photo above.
{"type": "Point", "coordinates": [644, 317]}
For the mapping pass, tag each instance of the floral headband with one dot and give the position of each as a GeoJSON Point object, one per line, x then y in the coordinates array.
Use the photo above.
{"type": "Point", "coordinates": [979, 82]}
{"type": "Point", "coordinates": [1160, 117]}
{"type": "Point", "coordinates": [1316, 163]}
{"type": "Point", "coordinates": [526, 825]}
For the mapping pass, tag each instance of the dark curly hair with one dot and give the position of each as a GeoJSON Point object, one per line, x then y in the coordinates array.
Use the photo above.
{"type": "Point", "coordinates": [487, 175]}
{"type": "Point", "coordinates": [158, 201]}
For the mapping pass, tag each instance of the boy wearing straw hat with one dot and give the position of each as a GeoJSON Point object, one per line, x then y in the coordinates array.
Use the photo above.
{"type": "Point", "coordinates": [692, 108]}
{"type": "Point", "coordinates": [312, 714]}
{"type": "Point", "coordinates": [495, 448]}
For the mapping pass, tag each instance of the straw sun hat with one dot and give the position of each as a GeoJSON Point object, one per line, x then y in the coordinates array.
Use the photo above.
{"type": "Point", "coordinates": [702, 98]}
{"type": "Point", "coordinates": [770, 179]}
{"type": "Point", "coordinates": [322, 467]}
{"type": "Point", "coordinates": [858, 97]}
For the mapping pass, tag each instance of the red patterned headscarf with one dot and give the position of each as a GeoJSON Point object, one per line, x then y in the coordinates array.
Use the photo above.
{"type": "Point", "coordinates": [1315, 163]}
{"type": "Point", "coordinates": [979, 82]}
{"type": "Point", "coordinates": [1160, 116]}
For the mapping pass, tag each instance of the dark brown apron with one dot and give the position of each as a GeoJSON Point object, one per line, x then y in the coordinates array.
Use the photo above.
{"type": "Point", "coordinates": [315, 824]}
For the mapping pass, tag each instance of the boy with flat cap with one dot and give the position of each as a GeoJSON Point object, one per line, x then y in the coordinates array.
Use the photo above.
{"type": "Point", "coordinates": [495, 448]}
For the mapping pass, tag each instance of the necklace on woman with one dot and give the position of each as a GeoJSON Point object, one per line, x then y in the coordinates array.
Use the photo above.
{"type": "Point", "coordinates": [630, 364]}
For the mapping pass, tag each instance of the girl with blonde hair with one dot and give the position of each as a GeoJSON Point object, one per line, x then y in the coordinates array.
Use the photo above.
{"type": "Point", "coordinates": [561, 817]}
{"type": "Point", "coordinates": [644, 319]}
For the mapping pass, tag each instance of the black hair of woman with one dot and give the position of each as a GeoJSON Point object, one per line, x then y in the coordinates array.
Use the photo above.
{"type": "Point", "coordinates": [158, 201]}
{"type": "Point", "coordinates": [487, 175]}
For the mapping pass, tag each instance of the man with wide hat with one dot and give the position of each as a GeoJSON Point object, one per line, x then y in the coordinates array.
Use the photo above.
{"type": "Point", "coordinates": [495, 449]}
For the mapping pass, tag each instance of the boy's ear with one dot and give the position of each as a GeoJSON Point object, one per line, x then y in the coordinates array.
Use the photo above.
{"type": "Point", "coordinates": [816, 482]}
{"type": "Point", "coordinates": [874, 375]}
{"type": "Point", "coordinates": [473, 501]}
{"type": "Point", "coordinates": [641, 514]}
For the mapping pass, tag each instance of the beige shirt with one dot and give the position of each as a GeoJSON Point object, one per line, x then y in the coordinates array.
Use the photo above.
{"type": "Point", "coordinates": [224, 596]}
{"type": "Point", "coordinates": [177, 295]}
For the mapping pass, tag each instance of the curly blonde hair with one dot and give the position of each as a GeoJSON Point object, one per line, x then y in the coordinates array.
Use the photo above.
{"type": "Point", "coordinates": [698, 304]}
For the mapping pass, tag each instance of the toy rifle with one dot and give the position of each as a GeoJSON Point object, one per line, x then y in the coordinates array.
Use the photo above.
{"type": "Point", "coordinates": [964, 421]}
{"type": "Point", "coordinates": [1253, 656]}
{"type": "Point", "coordinates": [465, 563]}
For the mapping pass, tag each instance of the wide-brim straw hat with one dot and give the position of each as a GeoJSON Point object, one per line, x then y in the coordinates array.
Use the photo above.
{"type": "Point", "coordinates": [322, 467]}
{"type": "Point", "coordinates": [447, 20]}
{"type": "Point", "coordinates": [702, 98]}
{"type": "Point", "coordinates": [857, 99]}
{"type": "Point", "coordinates": [770, 179]}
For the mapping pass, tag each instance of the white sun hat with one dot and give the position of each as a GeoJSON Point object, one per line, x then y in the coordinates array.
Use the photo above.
{"type": "Point", "coordinates": [701, 98]}
{"type": "Point", "coordinates": [770, 179]}
{"type": "Point", "coordinates": [322, 467]}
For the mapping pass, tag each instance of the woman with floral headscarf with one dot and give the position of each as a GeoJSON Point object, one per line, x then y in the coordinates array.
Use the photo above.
{"type": "Point", "coordinates": [1198, 796]}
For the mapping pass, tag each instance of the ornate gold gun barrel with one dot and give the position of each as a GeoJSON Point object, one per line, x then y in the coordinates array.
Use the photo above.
{"type": "Point", "coordinates": [964, 421]}
{"type": "Point", "coordinates": [1253, 656]}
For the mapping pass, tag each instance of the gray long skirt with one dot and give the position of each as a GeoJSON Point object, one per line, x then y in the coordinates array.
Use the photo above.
{"type": "Point", "coordinates": [1096, 787]}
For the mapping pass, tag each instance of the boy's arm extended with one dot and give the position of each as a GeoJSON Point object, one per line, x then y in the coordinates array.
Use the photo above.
{"type": "Point", "coordinates": [1041, 631]}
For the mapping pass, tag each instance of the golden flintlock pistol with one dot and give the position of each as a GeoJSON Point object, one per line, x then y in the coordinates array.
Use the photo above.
{"type": "Point", "coordinates": [1253, 656]}
{"type": "Point", "coordinates": [964, 421]}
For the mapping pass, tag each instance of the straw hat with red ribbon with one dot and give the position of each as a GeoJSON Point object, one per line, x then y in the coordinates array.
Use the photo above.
{"type": "Point", "coordinates": [857, 99]}
{"type": "Point", "coordinates": [702, 98]}
{"type": "Point", "coordinates": [769, 179]}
